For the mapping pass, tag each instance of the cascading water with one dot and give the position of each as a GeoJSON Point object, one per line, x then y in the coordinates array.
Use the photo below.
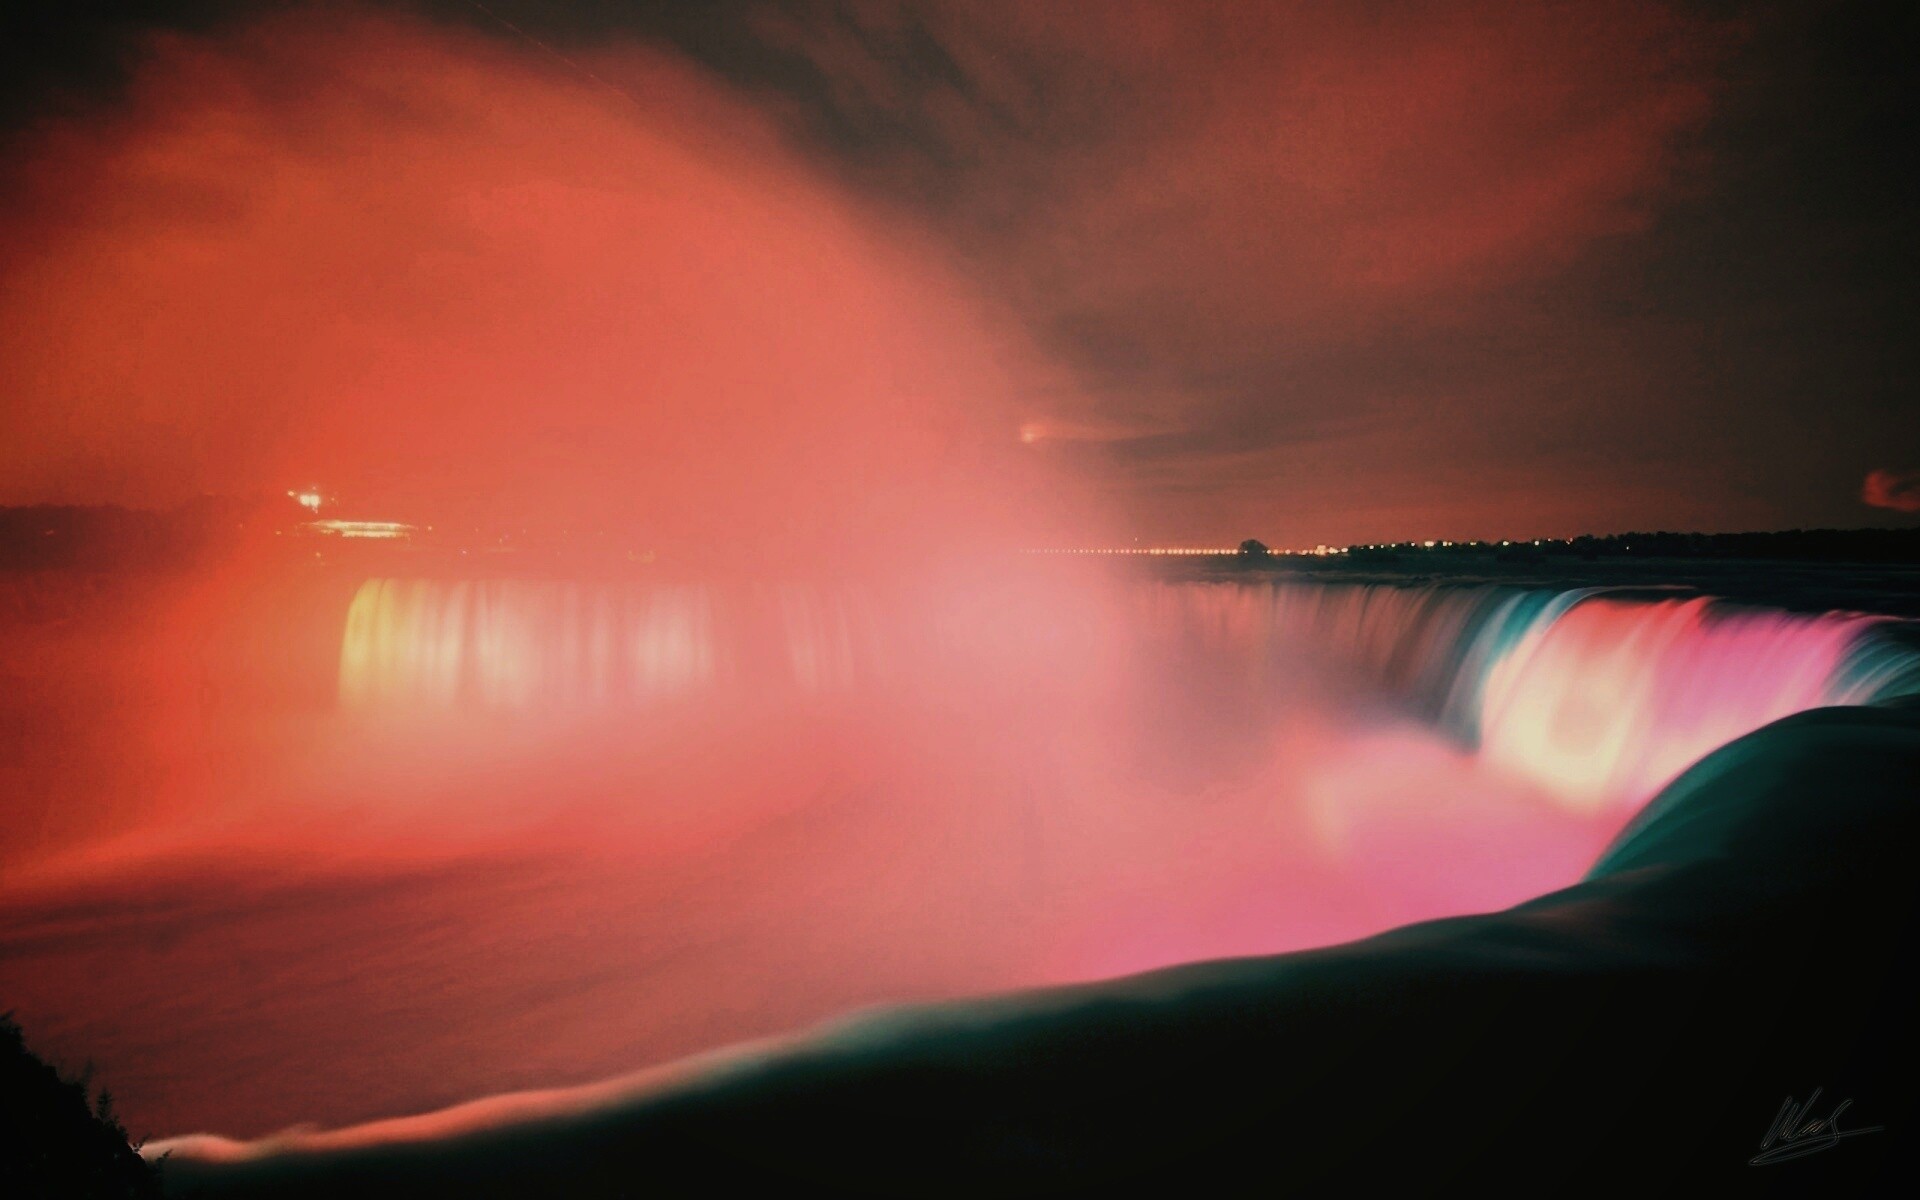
{"type": "Point", "coordinates": [672, 814]}
{"type": "Point", "coordinates": [511, 643]}
{"type": "Point", "coordinates": [1601, 699]}
{"type": "Point", "coordinates": [1612, 700]}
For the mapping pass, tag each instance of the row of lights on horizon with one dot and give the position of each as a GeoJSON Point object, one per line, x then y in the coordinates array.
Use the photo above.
{"type": "Point", "coordinates": [1317, 551]}
{"type": "Point", "coordinates": [311, 499]}
{"type": "Point", "coordinates": [1320, 551]}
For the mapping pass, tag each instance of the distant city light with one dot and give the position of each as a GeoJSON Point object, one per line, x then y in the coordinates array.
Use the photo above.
{"type": "Point", "coordinates": [361, 529]}
{"type": "Point", "coordinates": [309, 500]}
{"type": "Point", "coordinates": [1191, 551]}
{"type": "Point", "coordinates": [1162, 550]}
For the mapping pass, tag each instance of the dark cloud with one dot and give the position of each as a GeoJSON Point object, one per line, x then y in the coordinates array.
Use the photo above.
{"type": "Point", "coordinates": [1490, 261]}
{"type": "Point", "coordinates": [1581, 267]}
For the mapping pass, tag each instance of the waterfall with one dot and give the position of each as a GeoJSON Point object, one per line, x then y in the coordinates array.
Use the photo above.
{"type": "Point", "coordinates": [1600, 697]}
{"type": "Point", "coordinates": [521, 643]}
{"type": "Point", "coordinates": [1615, 698]}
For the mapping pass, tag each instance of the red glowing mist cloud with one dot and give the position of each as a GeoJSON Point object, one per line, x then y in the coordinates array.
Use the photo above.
{"type": "Point", "coordinates": [1897, 490]}
{"type": "Point", "coordinates": [453, 282]}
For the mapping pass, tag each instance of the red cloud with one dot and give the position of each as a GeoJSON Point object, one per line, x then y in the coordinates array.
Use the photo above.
{"type": "Point", "coordinates": [452, 279]}
{"type": "Point", "coordinates": [1897, 490]}
{"type": "Point", "coordinates": [1241, 220]}
{"type": "Point", "coordinates": [1247, 164]}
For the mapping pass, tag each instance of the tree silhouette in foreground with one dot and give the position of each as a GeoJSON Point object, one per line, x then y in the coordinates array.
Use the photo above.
{"type": "Point", "coordinates": [55, 1138]}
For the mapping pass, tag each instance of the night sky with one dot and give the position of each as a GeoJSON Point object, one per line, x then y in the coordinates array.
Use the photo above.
{"type": "Point", "coordinates": [1179, 272]}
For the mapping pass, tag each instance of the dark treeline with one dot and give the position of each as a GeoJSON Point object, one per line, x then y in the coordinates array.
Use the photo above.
{"type": "Point", "coordinates": [111, 537]}
{"type": "Point", "coordinates": [57, 1138]}
{"type": "Point", "coordinates": [1799, 545]}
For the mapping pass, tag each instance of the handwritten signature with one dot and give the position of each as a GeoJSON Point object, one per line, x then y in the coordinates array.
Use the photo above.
{"type": "Point", "coordinates": [1795, 1133]}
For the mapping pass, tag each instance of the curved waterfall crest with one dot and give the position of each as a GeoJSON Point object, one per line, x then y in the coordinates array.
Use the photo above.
{"type": "Point", "coordinates": [1602, 695]}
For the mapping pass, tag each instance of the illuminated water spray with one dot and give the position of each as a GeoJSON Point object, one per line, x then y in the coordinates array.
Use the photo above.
{"type": "Point", "coordinates": [1601, 700]}
{"type": "Point", "coordinates": [1613, 699]}
{"type": "Point", "coordinates": [520, 643]}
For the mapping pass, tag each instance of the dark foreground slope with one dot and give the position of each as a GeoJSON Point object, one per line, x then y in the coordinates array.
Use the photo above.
{"type": "Point", "coordinates": [56, 1139]}
{"type": "Point", "coordinates": [1740, 944]}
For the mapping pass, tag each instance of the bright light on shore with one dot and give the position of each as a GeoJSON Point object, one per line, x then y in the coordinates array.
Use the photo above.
{"type": "Point", "coordinates": [361, 529]}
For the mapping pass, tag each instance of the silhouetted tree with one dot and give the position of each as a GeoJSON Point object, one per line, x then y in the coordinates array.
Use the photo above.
{"type": "Point", "coordinates": [1252, 548]}
{"type": "Point", "coordinates": [56, 1139]}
